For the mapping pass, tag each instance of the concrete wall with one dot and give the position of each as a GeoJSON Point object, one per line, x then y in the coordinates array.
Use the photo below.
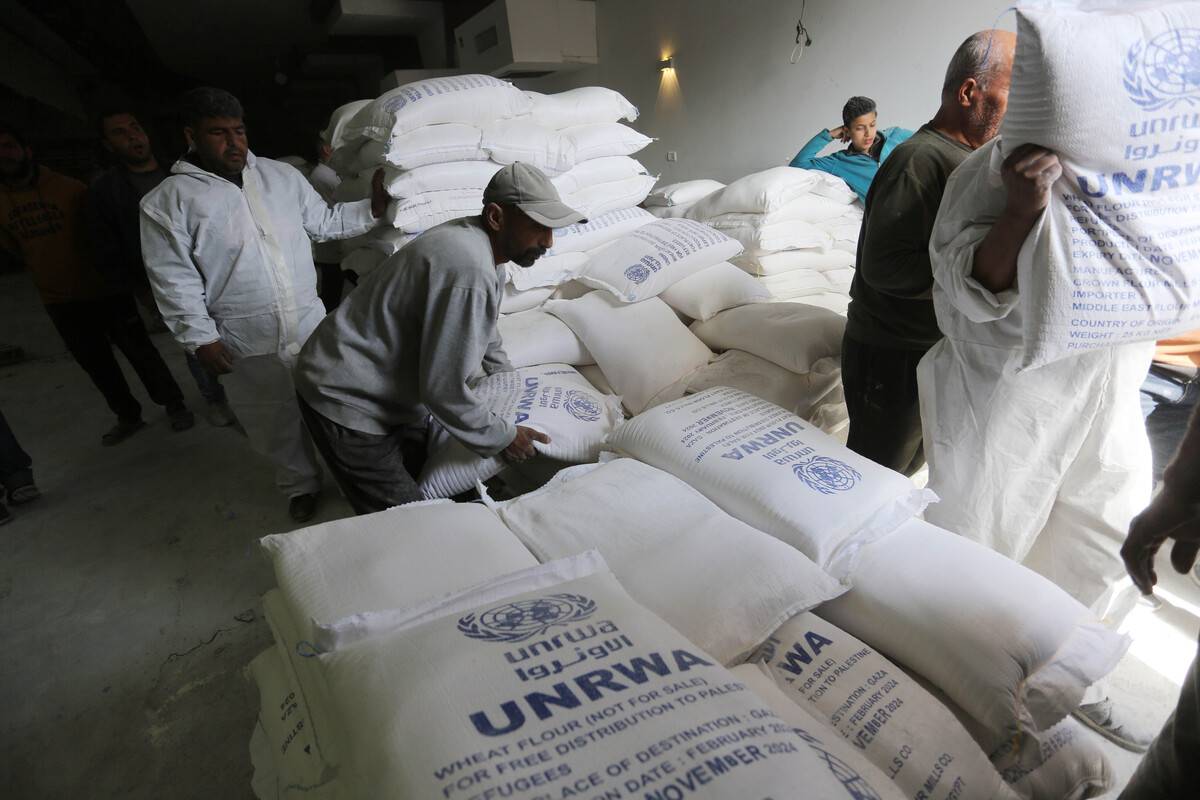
{"type": "Point", "coordinates": [735, 105]}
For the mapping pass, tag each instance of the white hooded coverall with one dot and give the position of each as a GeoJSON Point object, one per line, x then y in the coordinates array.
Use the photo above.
{"type": "Point", "coordinates": [235, 264]}
{"type": "Point", "coordinates": [1047, 466]}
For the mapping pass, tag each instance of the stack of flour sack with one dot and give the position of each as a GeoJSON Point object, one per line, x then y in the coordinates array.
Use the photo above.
{"type": "Point", "coordinates": [628, 312]}
{"type": "Point", "coordinates": [732, 605]}
{"type": "Point", "coordinates": [799, 227]}
{"type": "Point", "coordinates": [439, 142]}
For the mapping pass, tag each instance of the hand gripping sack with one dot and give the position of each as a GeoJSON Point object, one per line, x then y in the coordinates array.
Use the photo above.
{"type": "Point", "coordinates": [771, 469]}
{"type": "Point", "coordinates": [553, 399]}
{"type": "Point", "coordinates": [460, 99]}
{"type": "Point", "coordinates": [1005, 644]}
{"type": "Point", "coordinates": [652, 258]}
{"type": "Point", "coordinates": [1112, 89]}
{"type": "Point", "coordinates": [574, 689]}
{"type": "Point", "coordinates": [901, 728]}
{"type": "Point", "coordinates": [674, 551]}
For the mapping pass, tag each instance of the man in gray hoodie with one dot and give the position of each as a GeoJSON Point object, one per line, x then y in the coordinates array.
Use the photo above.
{"type": "Point", "coordinates": [414, 337]}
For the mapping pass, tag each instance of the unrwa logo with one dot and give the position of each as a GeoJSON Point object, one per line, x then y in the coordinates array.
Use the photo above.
{"type": "Point", "coordinates": [827, 475]}
{"type": "Point", "coordinates": [1164, 71]}
{"type": "Point", "coordinates": [638, 273]}
{"type": "Point", "coordinates": [582, 406]}
{"type": "Point", "coordinates": [525, 619]}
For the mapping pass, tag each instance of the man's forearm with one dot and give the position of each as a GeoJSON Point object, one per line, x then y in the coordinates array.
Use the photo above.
{"type": "Point", "coordinates": [995, 264]}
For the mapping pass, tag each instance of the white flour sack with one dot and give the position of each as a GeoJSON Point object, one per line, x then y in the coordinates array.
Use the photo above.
{"type": "Point", "coordinates": [901, 728]}
{"type": "Point", "coordinates": [570, 691]}
{"type": "Point", "coordinates": [643, 263]}
{"type": "Point", "coordinates": [599, 231]}
{"type": "Point", "coordinates": [758, 235]}
{"type": "Point", "coordinates": [1117, 256]}
{"type": "Point", "coordinates": [792, 260]}
{"type": "Point", "coordinates": [597, 170]}
{"type": "Point", "coordinates": [390, 559]}
{"type": "Point", "coordinates": [587, 105]}
{"type": "Point", "coordinates": [605, 139]}
{"type": "Point", "coordinates": [773, 470]}
{"type": "Point", "coordinates": [508, 141]}
{"type": "Point", "coordinates": [708, 292]}
{"type": "Point", "coordinates": [548, 270]}
{"type": "Point", "coordinates": [601, 198]}
{"type": "Point", "coordinates": [800, 393]}
{"type": "Point", "coordinates": [643, 348]}
{"type": "Point", "coordinates": [534, 337]}
{"type": "Point", "coordinates": [437, 144]}
{"type": "Point", "coordinates": [515, 301]}
{"type": "Point", "coordinates": [1005, 644]}
{"type": "Point", "coordinates": [792, 335]}
{"type": "Point", "coordinates": [287, 726]}
{"type": "Point", "coordinates": [674, 552]}
{"type": "Point", "coordinates": [438, 178]}
{"type": "Point", "coordinates": [461, 99]}
{"type": "Point", "coordinates": [417, 214]}
{"type": "Point", "coordinates": [683, 194]}
{"type": "Point", "coordinates": [553, 399]}
{"type": "Point", "coordinates": [758, 679]}
{"type": "Point", "coordinates": [759, 193]}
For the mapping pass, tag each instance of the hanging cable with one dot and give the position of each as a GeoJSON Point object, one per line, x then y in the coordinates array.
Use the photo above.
{"type": "Point", "coordinates": [803, 40]}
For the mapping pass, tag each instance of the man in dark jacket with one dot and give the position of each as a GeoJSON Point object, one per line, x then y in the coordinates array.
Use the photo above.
{"type": "Point", "coordinates": [114, 227]}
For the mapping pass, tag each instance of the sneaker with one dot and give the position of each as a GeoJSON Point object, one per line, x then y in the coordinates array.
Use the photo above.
{"type": "Point", "coordinates": [5, 517]}
{"type": "Point", "coordinates": [1100, 718]}
{"type": "Point", "coordinates": [121, 431]}
{"type": "Point", "coordinates": [181, 418]}
{"type": "Point", "coordinates": [219, 414]}
{"type": "Point", "coordinates": [302, 507]}
{"type": "Point", "coordinates": [23, 494]}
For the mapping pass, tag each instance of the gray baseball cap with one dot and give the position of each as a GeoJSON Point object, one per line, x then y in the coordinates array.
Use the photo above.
{"type": "Point", "coordinates": [528, 188]}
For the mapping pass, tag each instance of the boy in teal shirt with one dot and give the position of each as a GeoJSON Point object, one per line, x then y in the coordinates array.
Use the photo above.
{"type": "Point", "coordinates": [856, 165]}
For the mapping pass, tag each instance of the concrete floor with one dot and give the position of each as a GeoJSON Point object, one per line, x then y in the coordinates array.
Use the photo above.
{"type": "Point", "coordinates": [130, 593]}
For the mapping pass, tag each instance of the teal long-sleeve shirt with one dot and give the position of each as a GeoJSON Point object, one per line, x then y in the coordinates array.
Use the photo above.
{"type": "Point", "coordinates": [856, 169]}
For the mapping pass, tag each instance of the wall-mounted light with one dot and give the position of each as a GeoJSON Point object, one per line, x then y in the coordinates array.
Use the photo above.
{"type": "Point", "coordinates": [667, 63]}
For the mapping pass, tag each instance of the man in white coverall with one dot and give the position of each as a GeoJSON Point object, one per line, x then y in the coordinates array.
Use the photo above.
{"type": "Point", "coordinates": [1047, 466]}
{"type": "Point", "coordinates": [226, 241]}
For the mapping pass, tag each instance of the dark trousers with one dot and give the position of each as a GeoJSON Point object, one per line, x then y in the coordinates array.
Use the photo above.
{"type": "Point", "coordinates": [90, 328]}
{"type": "Point", "coordinates": [331, 285]}
{"type": "Point", "coordinates": [883, 404]}
{"type": "Point", "coordinates": [16, 467]}
{"type": "Point", "coordinates": [374, 471]}
{"type": "Point", "coordinates": [1171, 765]}
{"type": "Point", "coordinates": [209, 384]}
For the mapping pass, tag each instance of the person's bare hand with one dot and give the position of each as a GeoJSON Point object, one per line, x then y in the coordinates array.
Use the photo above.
{"type": "Point", "coordinates": [1029, 172]}
{"type": "Point", "coordinates": [840, 133]}
{"type": "Point", "coordinates": [379, 195]}
{"type": "Point", "coordinates": [1168, 517]}
{"type": "Point", "coordinates": [521, 448]}
{"type": "Point", "coordinates": [215, 358]}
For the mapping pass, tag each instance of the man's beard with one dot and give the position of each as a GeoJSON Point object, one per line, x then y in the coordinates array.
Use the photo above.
{"type": "Point", "coordinates": [527, 258]}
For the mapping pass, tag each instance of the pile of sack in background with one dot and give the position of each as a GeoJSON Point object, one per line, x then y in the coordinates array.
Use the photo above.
{"type": "Point", "coordinates": [626, 311]}
{"type": "Point", "coordinates": [441, 140]}
{"type": "Point", "coordinates": [799, 227]}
